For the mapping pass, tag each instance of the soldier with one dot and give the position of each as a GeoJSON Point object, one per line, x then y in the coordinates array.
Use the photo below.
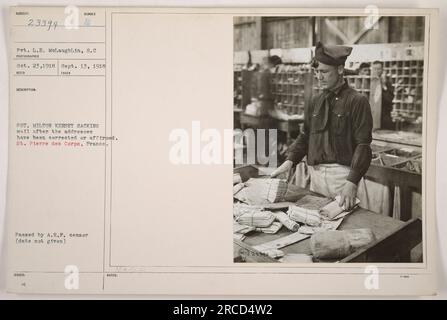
{"type": "Point", "coordinates": [337, 132]}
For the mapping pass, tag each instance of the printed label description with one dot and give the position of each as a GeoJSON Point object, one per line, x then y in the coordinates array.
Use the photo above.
{"type": "Point", "coordinates": [47, 134]}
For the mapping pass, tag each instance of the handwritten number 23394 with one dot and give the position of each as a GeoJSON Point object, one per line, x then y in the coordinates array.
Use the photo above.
{"type": "Point", "coordinates": [49, 24]}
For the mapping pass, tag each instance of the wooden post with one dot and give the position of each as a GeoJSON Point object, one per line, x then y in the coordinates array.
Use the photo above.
{"type": "Point", "coordinates": [375, 100]}
{"type": "Point", "coordinates": [312, 35]}
{"type": "Point", "coordinates": [317, 29]}
{"type": "Point", "coordinates": [258, 33]}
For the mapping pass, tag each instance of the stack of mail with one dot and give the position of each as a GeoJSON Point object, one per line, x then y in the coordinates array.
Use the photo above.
{"type": "Point", "coordinates": [274, 190]}
{"type": "Point", "coordinates": [274, 253]}
{"type": "Point", "coordinates": [242, 208]}
{"type": "Point", "coordinates": [324, 226]}
{"type": "Point", "coordinates": [286, 221]}
{"type": "Point", "coordinates": [273, 228]}
{"type": "Point", "coordinates": [305, 216]}
{"type": "Point", "coordinates": [236, 178]}
{"type": "Point", "coordinates": [241, 229]}
{"type": "Point", "coordinates": [238, 187]}
{"type": "Point", "coordinates": [334, 211]}
{"type": "Point", "coordinates": [259, 219]}
{"type": "Point", "coordinates": [312, 202]}
{"type": "Point", "coordinates": [252, 215]}
{"type": "Point", "coordinates": [309, 230]}
{"type": "Point", "coordinates": [239, 236]}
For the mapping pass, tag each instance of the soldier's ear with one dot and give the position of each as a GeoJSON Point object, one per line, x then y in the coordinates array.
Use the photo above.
{"type": "Point", "coordinates": [341, 69]}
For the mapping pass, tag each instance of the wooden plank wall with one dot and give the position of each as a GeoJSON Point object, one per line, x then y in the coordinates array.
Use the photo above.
{"type": "Point", "coordinates": [286, 33]}
{"type": "Point", "coordinates": [407, 29]}
{"type": "Point", "coordinates": [255, 33]}
{"type": "Point", "coordinates": [350, 27]}
{"type": "Point", "coordinates": [246, 33]}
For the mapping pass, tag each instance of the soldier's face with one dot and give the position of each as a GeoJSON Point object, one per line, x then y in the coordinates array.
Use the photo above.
{"type": "Point", "coordinates": [377, 70]}
{"type": "Point", "coordinates": [364, 72]}
{"type": "Point", "coordinates": [327, 75]}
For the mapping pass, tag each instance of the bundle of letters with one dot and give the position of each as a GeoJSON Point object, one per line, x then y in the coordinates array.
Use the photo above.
{"type": "Point", "coordinates": [274, 190]}
{"type": "Point", "coordinates": [313, 220]}
{"type": "Point", "coordinates": [304, 216]}
{"type": "Point", "coordinates": [239, 230]}
{"type": "Point", "coordinates": [237, 183]}
{"type": "Point", "coordinates": [249, 218]}
{"type": "Point", "coordinates": [252, 216]}
{"type": "Point", "coordinates": [260, 190]}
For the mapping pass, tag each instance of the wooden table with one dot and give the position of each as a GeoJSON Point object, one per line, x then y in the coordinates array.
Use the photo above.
{"type": "Point", "coordinates": [380, 225]}
{"type": "Point", "coordinates": [400, 138]}
{"type": "Point", "coordinates": [386, 230]}
{"type": "Point", "coordinates": [395, 174]}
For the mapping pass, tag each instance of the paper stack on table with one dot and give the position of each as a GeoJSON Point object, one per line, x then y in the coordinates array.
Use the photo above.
{"type": "Point", "coordinates": [238, 187]}
{"type": "Point", "coordinates": [273, 228]}
{"type": "Point", "coordinates": [281, 242]}
{"type": "Point", "coordinates": [312, 202]}
{"type": "Point", "coordinates": [305, 216]}
{"type": "Point", "coordinates": [315, 214]}
{"type": "Point", "coordinates": [239, 231]}
{"type": "Point", "coordinates": [334, 211]}
{"type": "Point", "coordinates": [275, 189]}
{"type": "Point", "coordinates": [236, 178]}
{"type": "Point", "coordinates": [242, 208]}
{"type": "Point", "coordinates": [325, 226]}
{"type": "Point", "coordinates": [242, 229]}
{"type": "Point", "coordinates": [314, 219]}
{"type": "Point", "coordinates": [274, 253]}
{"type": "Point", "coordinates": [286, 221]}
{"type": "Point", "coordinates": [252, 216]}
{"type": "Point", "coordinates": [255, 191]}
{"type": "Point", "coordinates": [239, 236]}
{"type": "Point", "coordinates": [259, 219]}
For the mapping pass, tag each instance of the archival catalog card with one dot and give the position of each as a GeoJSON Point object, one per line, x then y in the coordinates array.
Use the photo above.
{"type": "Point", "coordinates": [127, 126]}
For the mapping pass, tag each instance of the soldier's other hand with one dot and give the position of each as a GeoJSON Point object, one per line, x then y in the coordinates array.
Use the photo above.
{"type": "Point", "coordinates": [283, 169]}
{"type": "Point", "coordinates": [348, 196]}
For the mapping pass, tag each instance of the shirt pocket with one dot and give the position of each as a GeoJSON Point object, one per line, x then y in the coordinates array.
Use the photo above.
{"type": "Point", "coordinates": [318, 121]}
{"type": "Point", "coordinates": [339, 123]}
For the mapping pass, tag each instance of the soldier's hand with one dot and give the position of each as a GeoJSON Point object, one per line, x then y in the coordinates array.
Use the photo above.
{"type": "Point", "coordinates": [348, 196]}
{"type": "Point", "coordinates": [283, 169]}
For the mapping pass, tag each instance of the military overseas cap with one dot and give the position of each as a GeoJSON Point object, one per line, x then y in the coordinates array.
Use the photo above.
{"type": "Point", "coordinates": [332, 55]}
{"type": "Point", "coordinates": [275, 60]}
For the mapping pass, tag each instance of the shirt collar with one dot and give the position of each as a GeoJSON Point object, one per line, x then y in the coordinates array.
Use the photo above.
{"type": "Point", "coordinates": [339, 88]}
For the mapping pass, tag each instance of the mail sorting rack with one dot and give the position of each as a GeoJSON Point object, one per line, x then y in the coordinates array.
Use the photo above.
{"type": "Point", "coordinates": [237, 87]}
{"type": "Point", "coordinates": [407, 79]}
{"type": "Point", "coordinates": [361, 83]}
{"type": "Point", "coordinates": [288, 88]}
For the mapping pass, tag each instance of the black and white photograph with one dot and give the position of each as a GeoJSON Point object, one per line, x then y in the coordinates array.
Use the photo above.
{"type": "Point", "coordinates": [121, 145]}
{"type": "Point", "coordinates": [329, 131]}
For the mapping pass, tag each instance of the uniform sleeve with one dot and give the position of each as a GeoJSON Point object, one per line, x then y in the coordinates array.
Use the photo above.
{"type": "Point", "coordinates": [388, 94]}
{"type": "Point", "coordinates": [362, 136]}
{"type": "Point", "coordinates": [298, 149]}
